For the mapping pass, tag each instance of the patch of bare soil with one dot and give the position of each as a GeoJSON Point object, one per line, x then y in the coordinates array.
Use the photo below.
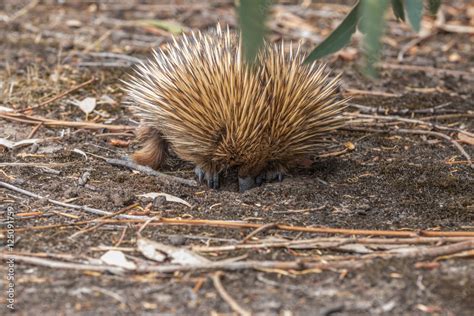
{"type": "Point", "coordinates": [389, 174]}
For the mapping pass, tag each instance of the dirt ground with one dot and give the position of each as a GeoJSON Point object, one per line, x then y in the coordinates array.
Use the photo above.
{"type": "Point", "coordinates": [392, 181]}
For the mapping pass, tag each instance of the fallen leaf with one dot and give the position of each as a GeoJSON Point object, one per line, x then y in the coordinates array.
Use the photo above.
{"type": "Point", "coordinates": [428, 309]}
{"type": "Point", "coordinates": [105, 99]}
{"type": "Point", "coordinates": [118, 259]}
{"type": "Point", "coordinates": [12, 145]}
{"type": "Point", "coordinates": [177, 255]}
{"type": "Point", "coordinates": [356, 248]}
{"type": "Point", "coordinates": [5, 109]}
{"type": "Point", "coordinates": [349, 145]}
{"type": "Point", "coordinates": [148, 250]}
{"type": "Point", "coordinates": [454, 57]}
{"type": "Point", "coordinates": [87, 105]}
{"type": "Point", "coordinates": [169, 197]}
{"type": "Point", "coordinates": [466, 139]}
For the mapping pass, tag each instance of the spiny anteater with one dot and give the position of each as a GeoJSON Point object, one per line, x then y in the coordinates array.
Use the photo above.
{"type": "Point", "coordinates": [201, 99]}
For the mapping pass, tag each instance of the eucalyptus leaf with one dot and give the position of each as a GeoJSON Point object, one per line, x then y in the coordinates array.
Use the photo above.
{"type": "Point", "coordinates": [433, 6]}
{"type": "Point", "coordinates": [414, 11]}
{"type": "Point", "coordinates": [397, 7]}
{"type": "Point", "coordinates": [373, 22]}
{"type": "Point", "coordinates": [339, 38]}
{"type": "Point", "coordinates": [252, 17]}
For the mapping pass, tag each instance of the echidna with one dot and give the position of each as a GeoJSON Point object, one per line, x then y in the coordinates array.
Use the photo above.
{"type": "Point", "coordinates": [211, 108]}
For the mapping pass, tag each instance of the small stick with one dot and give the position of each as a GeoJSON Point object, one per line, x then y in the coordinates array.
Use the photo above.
{"type": "Point", "coordinates": [149, 171]}
{"type": "Point", "coordinates": [258, 230]}
{"type": "Point", "coordinates": [435, 251]}
{"type": "Point", "coordinates": [90, 229]}
{"type": "Point", "coordinates": [414, 121]}
{"type": "Point", "coordinates": [22, 11]}
{"type": "Point", "coordinates": [216, 279]}
{"type": "Point", "coordinates": [330, 242]}
{"type": "Point", "coordinates": [350, 91]}
{"type": "Point", "coordinates": [240, 225]}
{"type": "Point", "coordinates": [250, 264]}
{"type": "Point", "coordinates": [448, 116]}
{"type": "Point", "coordinates": [34, 130]}
{"type": "Point", "coordinates": [380, 110]}
{"type": "Point", "coordinates": [74, 206]}
{"type": "Point", "coordinates": [59, 123]}
{"type": "Point", "coordinates": [432, 70]}
{"type": "Point", "coordinates": [59, 96]}
{"type": "Point", "coordinates": [40, 166]}
{"type": "Point", "coordinates": [122, 236]}
{"type": "Point", "coordinates": [317, 230]}
{"type": "Point", "coordinates": [59, 264]}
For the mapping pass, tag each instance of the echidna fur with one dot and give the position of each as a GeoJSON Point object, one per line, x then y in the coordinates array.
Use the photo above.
{"type": "Point", "coordinates": [201, 99]}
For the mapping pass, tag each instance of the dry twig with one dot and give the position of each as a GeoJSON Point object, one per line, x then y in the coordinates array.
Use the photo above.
{"type": "Point", "coordinates": [59, 96]}
{"type": "Point", "coordinates": [59, 123]}
{"type": "Point", "coordinates": [149, 171]}
{"type": "Point", "coordinates": [73, 206]}
{"type": "Point", "coordinates": [216, 279]}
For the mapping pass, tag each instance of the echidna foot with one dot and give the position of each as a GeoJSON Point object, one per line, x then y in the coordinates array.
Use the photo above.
{"type": "Point", "coordinates": [212, 178]}
{"type": "Point", "coordinates": [248, 183]}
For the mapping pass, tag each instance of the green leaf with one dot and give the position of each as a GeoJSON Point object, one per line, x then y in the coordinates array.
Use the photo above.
{"type": "Point", "coordinates": [339, 38]}
{"type": "Point", "coordinates": [397, 7]}
{"type": "Point", "coordinates": [252, 16]}
{"type": "Point", "coordinates": [373, 23]}
{"type": "Point", "coordinates": [433, 6]}
{"type": "Point", "coordinates": [414, 10]}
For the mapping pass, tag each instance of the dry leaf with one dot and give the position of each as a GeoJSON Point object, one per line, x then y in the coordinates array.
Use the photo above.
{"type": "Point", "coordinates": [349, 145]}
{"type": "Point", "coordinates": [148, 250]}
{"type": "Point", "coordinates": [12, 145]}
{"type": "Point", "coordinates": [117, 258]}
{"type": "Point", "coordinates": [169, 197]}
{"type": "Point", "coordinates": [5, 109]}
{"type": "Point", "coordinates": [466, 139]}
{"type": "Point", "coordinates": [87, 105]}
{"type": "Point", "coordinates": [177, 255]}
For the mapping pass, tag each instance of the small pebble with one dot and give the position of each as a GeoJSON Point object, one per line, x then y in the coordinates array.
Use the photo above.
{"type": "Point", "coordinates": [84, 178]}
{"type": "Point", "coordinates": [177, 240]}
{"type": "Point", "coordinates": [159, 202]}
{"type": "Point", "coordinates": [34, 148]}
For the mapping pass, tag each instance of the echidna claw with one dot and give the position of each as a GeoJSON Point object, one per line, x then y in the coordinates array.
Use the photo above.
{"type": "Point", "coordinates": [199, 173]}
{"type": "Point", "coordinates": [212, 179]}
{"type": "Point", "coordinates": [248, 183]}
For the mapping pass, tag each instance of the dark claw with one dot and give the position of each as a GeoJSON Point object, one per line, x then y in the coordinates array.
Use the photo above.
{"type": "Point", "coordinates": [260, 179]}
{"type": "Point", "coordinates": [212, 179]}
{"type": "Point", "coordinates": [199, 173]}
{"type": "Point", "coordinates": [280, 177]}
{"type": "Point", "coordinates": [266, 176]}
{"type": "Point", "coordinates": [246, 183]}
{"type": "Point", "coordinates": [274, 175]}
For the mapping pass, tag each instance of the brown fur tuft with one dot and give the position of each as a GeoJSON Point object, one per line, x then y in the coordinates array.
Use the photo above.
{"type": "Point", "coordinates": [154, 149]}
